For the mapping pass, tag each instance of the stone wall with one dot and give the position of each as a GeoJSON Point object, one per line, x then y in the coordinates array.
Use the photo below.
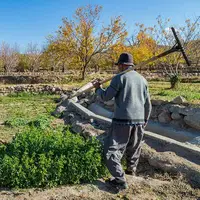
{"type": "Point", "coordinates": [34, 79]}
{"type": "Point", "coordinates": [32, 89]}
{"type": "Point", "coordinates": [178, 114]}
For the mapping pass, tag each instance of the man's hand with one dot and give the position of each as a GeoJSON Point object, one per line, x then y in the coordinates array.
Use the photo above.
{"type": "Point", "coordinates": [96, 83]}
{"type": "Point", "coordinates": [145, 124]}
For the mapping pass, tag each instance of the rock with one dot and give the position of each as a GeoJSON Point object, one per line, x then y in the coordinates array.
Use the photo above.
{"type": "Point", "coordinates": [57, 89]}
{"type": "Point", "coordinates": [193, 120]}
{"type": "Point", "coordinates": [164, 107]}
{"type": "Point", "coordinates": [176, 108]}
{"type": "Point", "coordinates": [183, 109]}
{"type": "Point", "coordinates": [18, 88]}
{"type": "Point", "coordinates": [75, 99]}
{"type": "Point", "coordinates": [179, 100]}
{"type": "Point", "coordinates": [83, 95]}
{"type": "Point", "coordinates": [164, 117]}
{"type": "Point", "coordinates": [12, 88]}
{"type": "Point", "coordinates": [77, 127]}
{"type": "Point", "coordinates": [90, 131]}
{"type": "Point", "coordinates": [87, 102]}
{"type": "Point", "coordinates": [176, 116]}
{"type": "Point", "coordinates": [189, 111]}
{"type": "Point", "coordinates": [83, 102]}
{"type": "Point", "coordinates": [155, 112]}
{"type": "Point", "coordinates": [63, 97]}
{"type": "Point", "coordinates": [86, 129]}
{"type": "Point", "coordinates": [59, 110]}
{"type": "Point", "coordinates": [158, 102]}
{"type": "Point", "coordinates": [53, 89]}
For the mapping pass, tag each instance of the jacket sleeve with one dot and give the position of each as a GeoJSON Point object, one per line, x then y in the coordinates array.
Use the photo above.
{"type": "Point", "coordinates": [111, 91]}
{"type": "Point", "coordinates": [147, 105]}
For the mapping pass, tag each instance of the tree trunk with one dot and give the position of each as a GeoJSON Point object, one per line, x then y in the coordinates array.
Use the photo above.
{"type": "Point", "coordinates": [52, 68]}
{"type": "Point", "coordinates": [83, 72]}
{"type": "Point", "coordinates": [96, 68]}
{"type": "Point", "coordinates": [63, 68]}
{"type": "Point", "coordinates": [5, 69]}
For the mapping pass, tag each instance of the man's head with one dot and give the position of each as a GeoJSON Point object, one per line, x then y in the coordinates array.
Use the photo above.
{"type": "Point", "coordinates": [125, 61]}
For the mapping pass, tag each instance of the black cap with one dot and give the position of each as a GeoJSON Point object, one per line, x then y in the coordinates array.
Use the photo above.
{"type": "Point", "coordinates": [126, 59]}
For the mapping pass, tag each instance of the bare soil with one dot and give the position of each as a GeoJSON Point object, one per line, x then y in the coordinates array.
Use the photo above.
{"type": "Point", "coordinates": [140, 188]}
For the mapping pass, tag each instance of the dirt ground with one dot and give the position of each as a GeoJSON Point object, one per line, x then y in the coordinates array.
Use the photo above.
{"type": "Point", "coordinates": [139, 188]}
{"type": "Point", "coordinates": [149, 184]}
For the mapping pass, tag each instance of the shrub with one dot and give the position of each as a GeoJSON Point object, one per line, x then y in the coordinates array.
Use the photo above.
{"type": "Point", "coordinates": [174, 81]}
{"type": "Point", "coordinates": [42, 122]}
{"type": "Point", "coordinates": [49, 157]}
{"type": "Point", "coordinates": [15, 122]}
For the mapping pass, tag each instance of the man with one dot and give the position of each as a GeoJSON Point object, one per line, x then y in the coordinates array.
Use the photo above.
{"type": "Point", "coordinates": [131, 113]}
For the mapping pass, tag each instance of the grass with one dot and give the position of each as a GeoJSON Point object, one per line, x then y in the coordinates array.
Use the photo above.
{"type": "Point", "coordinates": [161, 90]}
{"type": "Point", "coordinates": [17, 109]}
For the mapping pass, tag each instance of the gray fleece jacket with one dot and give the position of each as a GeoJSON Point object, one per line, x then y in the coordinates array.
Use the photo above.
{"type": "Point", "coordinates": [132, 100]}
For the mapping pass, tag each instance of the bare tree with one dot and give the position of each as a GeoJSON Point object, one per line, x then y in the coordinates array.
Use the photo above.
{"type": "Point", "coordinates": [9, 56]}
{"type": "Point", "coordinates": [189, 34]}
{"type": "Point", "coordinates": [33, 56]}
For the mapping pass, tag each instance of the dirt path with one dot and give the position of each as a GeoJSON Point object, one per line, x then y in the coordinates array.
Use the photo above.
{"type": "Point", "coordinates": [140, 188]}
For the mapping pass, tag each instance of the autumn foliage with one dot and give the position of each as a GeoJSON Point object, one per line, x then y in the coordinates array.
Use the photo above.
{"type": "Point", "coordinates": [84, 43]}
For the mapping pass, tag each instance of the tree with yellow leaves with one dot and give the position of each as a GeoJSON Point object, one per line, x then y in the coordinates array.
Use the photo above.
{"type": "Point", "coordinates": [143, 48]}
{"type": "Point", "coordinates": [82, 40]}
{"type": "Point", "coordinates": [172, 64]}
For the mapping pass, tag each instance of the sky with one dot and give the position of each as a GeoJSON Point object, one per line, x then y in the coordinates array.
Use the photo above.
{"type": "Point", "coordinates": [26, 21]}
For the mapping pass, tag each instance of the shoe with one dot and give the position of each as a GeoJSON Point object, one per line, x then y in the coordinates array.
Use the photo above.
{"type": "Point", "coordinates": [117, 185]}
{"type": "Point", "coordinates": [132, 173]}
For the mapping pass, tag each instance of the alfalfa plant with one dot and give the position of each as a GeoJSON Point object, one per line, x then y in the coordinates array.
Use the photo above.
{"type": "Point", "coordinates": [39, 157]}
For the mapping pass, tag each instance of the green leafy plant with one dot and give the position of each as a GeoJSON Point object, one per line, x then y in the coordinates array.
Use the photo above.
{"type": "Point", "coordinates": [42, 122]}
{"type": "Point", "coordinates": [15, 122]}
{"type": "Point", "coordinates": [40, 157]}
{"type": "Point", "coordinates": [174, 81]}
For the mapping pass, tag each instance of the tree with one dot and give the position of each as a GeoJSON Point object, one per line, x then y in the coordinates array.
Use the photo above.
{"type": "Point", "coordinates": [142, 46]}
{"type": "Point", "coordinates": [189, 33]}
{"type": "Point", "coordinates": [58, 54]}
{"type": "Point", "coordinates": [117, 49]}
{"type": "Point", "coordinates": [9, 57]}
{"type": "Point", "coordinates": [33, 54]}
{"type": "Point", "coordinates": [22, 65]}
{"type": "Point", "coordinates": [84, 39]}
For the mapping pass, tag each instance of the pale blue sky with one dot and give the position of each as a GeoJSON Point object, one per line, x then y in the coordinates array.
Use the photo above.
{"type": "Point", "coordinates": [25, 21]}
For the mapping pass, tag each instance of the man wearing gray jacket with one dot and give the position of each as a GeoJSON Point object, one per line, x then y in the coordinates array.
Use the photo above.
{"type": "Point", "coordinates": [131, 113]}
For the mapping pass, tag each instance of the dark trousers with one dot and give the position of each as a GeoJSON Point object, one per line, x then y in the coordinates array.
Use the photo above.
{"type": "Point", "coordinates": [123, 139]}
